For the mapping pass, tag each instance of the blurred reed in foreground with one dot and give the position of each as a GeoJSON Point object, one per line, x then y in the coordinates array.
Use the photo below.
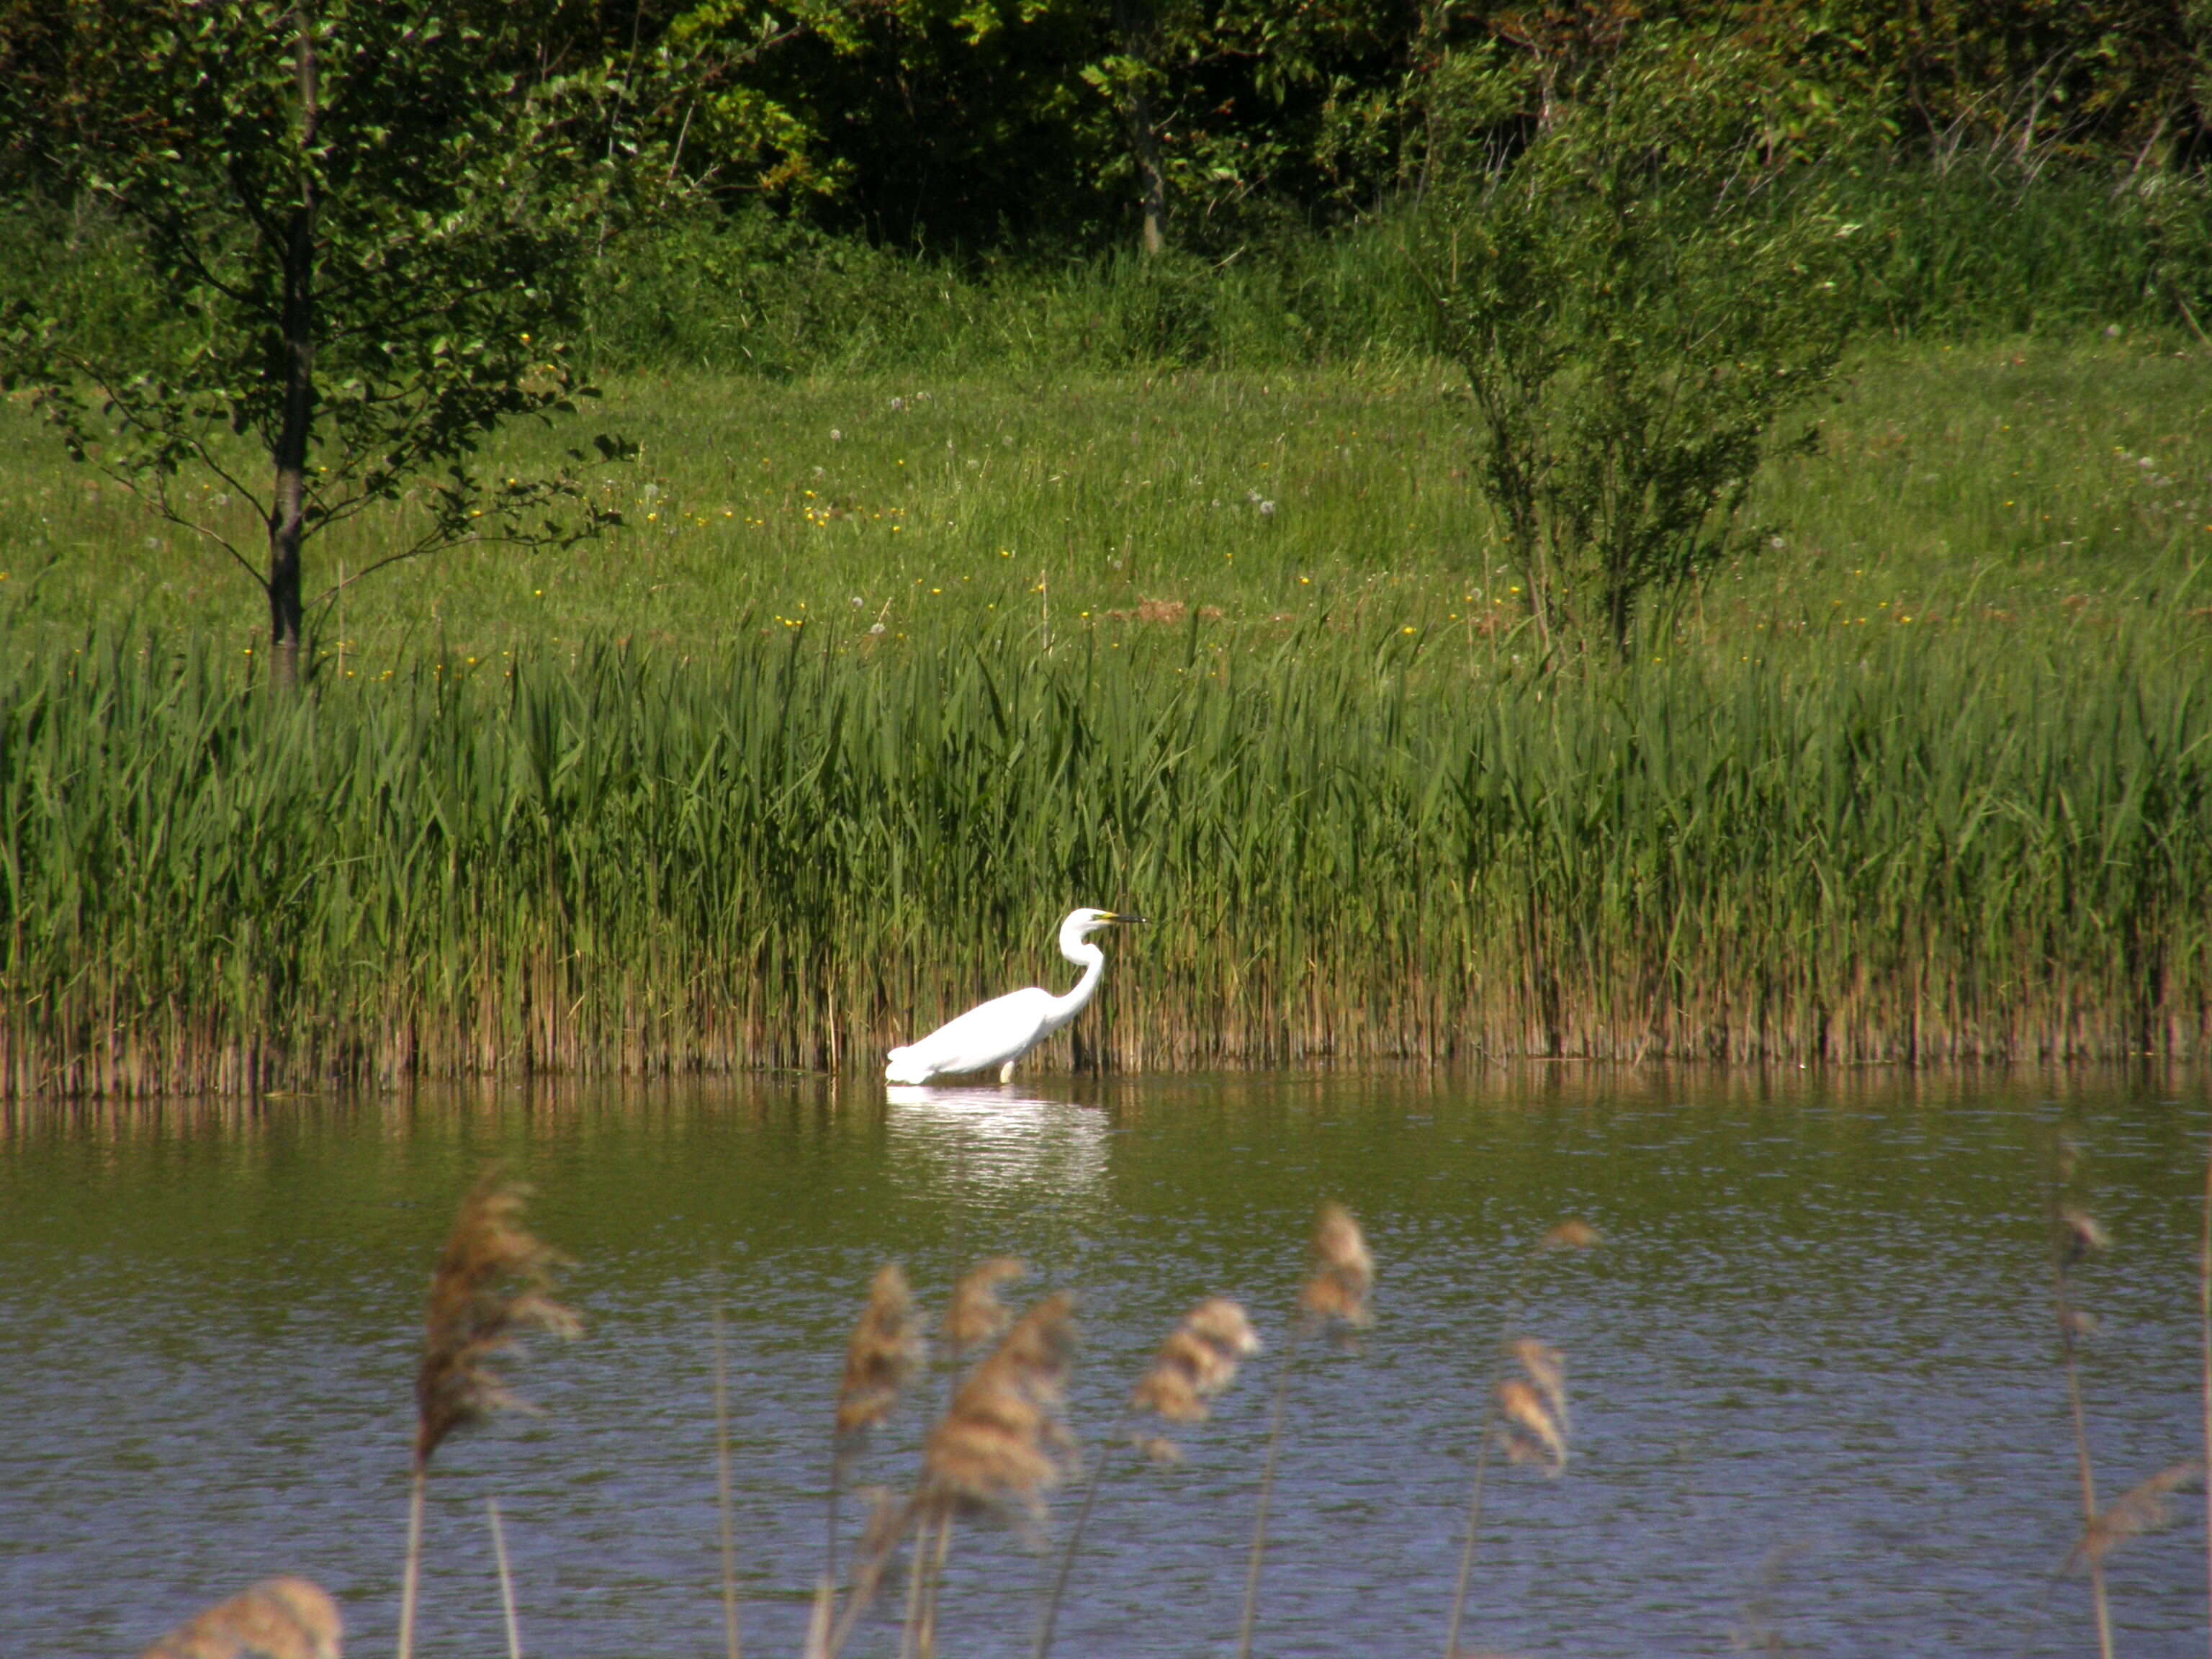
{"type": "Point", "coordinates": [276, 1619]}
{"type": "Point", "coordinates": [492, 1285]}
{"type": "Point", "coordinates": [1198, 1359]}
{"type": "Point", "coordinates": [1524, 1411]}
{"type": "Point", "coordinates": [1004, 1442]}
{"type": "Point", "coordinates": [1332, 1301]}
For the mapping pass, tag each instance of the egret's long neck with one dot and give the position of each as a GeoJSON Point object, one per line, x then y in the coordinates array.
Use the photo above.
{"type": "Point", "coordinates": [1093, 963]}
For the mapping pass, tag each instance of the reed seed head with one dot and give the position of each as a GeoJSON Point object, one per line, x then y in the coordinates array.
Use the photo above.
{"type": "Point", "coordinates": [2080, 1237]}
{"type": "Point", "coordinates": [884, 1350]}
{"type": "Point", "coordinates": [1572, 1234]}
{"type": "Point", "coordinates": [976, 1315]}
{"type": "Point", "coordinates": [1539, 1363]}
{"type": "Point", "coordinates": [1532, 1407]}
{"type": "Point", "coordinates": [2142, 1508]}
{"type": "Point", "coordinates": [1002, 1442]}
{"type": "Point", "coordinates": [494, 1283]}
{"type": "Point", "coordinates": [1343, 1270]}
{"type": "Point", "coordinates": [276, 1618]}
{"type": "Point", "coordinates": [1197, 1361]}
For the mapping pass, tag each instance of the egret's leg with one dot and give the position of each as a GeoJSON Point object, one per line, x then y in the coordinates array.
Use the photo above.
{"type": "Point", "coordinates": [1007, 1072]}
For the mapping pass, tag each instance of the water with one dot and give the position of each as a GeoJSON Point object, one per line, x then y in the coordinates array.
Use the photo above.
{"type": "Point", "coordinates": [1816, 1404]}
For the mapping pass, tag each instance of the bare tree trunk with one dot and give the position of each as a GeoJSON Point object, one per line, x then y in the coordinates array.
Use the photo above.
{"type": "Point", "coordinates": [1428, 45]}
{"type": "Point", "coordinates": [1152, 181]}
{"type": "Point", "coordinates": [296, 349]}
{"type": "Point", "coordinates": [1144, 135]}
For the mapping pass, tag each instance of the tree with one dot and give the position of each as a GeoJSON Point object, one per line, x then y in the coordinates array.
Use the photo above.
{"type": "Point", "coordinates": [984, 124]}
{"type": "Point", "coordinates": [1639, 273]}
{"type": "Point", "coordinates": [1229, 100]}
{"type": "Point", "coordinates": [364, 219]}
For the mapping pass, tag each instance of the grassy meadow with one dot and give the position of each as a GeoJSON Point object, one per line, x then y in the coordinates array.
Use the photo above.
{"type": "Point", "coordinates": [882, 675]}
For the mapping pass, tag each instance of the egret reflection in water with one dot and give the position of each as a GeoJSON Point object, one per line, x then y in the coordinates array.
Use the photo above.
{"type": "Point", "coordinates": [998, 1138]}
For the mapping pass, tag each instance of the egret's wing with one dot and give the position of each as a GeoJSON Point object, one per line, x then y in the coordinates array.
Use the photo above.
{"type": "Point", "coordinates": [989, 1034]}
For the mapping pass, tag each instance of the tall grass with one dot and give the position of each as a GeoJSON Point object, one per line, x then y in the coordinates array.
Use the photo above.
{"type": "Point", "coordinates": [1985, 246]}
{"type": "Point", "coordinates": [806, 847]}
{"type": "Point", "coordinates": [1976, 245]}
{"type": "Point", "coordinates": [752, 296]}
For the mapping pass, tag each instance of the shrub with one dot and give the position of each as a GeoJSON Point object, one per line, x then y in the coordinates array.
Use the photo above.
{"type": "Point", "coordinates": [1639, 278]}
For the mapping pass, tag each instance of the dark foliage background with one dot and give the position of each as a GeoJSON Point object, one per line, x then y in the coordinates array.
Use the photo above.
{"type": "Point", "coordinates": [896, 181]}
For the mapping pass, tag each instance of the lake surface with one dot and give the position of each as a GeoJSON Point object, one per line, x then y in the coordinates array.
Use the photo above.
{"type": "Point", "coordinates": [1816, 1402]}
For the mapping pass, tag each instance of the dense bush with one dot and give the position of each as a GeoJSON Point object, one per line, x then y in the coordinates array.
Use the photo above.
{"type": "Point", "coordinates": [1979, 249]}
{"type": "Point", "coordinates": [753, 294]}
{"type": "Point", "coordinates": [1636, 291]}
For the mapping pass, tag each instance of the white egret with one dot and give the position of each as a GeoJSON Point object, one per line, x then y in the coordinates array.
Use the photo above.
{"type": "Point", "coordinates": [1000, 1031]}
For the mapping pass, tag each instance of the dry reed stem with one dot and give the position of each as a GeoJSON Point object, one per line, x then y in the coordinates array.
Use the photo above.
{"type": "Point", "coordinates": [2204, 1369]}
{"type": "Point", "coordinates": [2142, 1508]}
{"type": "Point", "coordinates": [1335, 1291]}
{"type": "Point", "coordinates": [817, 1621]}
{"type": "Point", "coordinates": [1198, 1360]}
{"type": "Point", "coordinates": [888, 1521]}
{"type": "Point", "coordinates": [885, 1349]}
{"type": "Point", "coordinates": [910, 1626]}
{"type": "Point", "coordinates": [1530, 1406]}
{"type": "Point", "coordinates": [2075, 1235]}
{"type": "Point", "coordinates": [506, 1579]}
{"type": "Point", "coordinates": [492, 1284]}
{"type": "Point", "coordinates": [417, 1489]}
{"type": "Point", "coordinates": [887, 1518]}
{"type": "Point", "coordinates": [1248, 1617]}
{"type": "Point", "coordinates": [722, 1487]}
{"type": "Point", "coordinates": [999, 1445]}
{"type": "Point", "coordinates": [276, 1619]}
{"type": "Point", "coordinates": [925, 1633]}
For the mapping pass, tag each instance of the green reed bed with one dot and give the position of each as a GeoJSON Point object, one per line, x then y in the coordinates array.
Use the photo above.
{"type": "Point", "coordinates": [809, 845]}
{"type": "Point", "coordinates": [881, 677]}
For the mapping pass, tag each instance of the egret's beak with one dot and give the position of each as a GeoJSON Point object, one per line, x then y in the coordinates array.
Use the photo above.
{"type": "Point", "coordinates": [1114, 919]}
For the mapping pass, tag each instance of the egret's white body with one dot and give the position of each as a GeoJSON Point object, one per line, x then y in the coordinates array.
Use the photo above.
{"type": "Point", "coordinates": [999, 1032]}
